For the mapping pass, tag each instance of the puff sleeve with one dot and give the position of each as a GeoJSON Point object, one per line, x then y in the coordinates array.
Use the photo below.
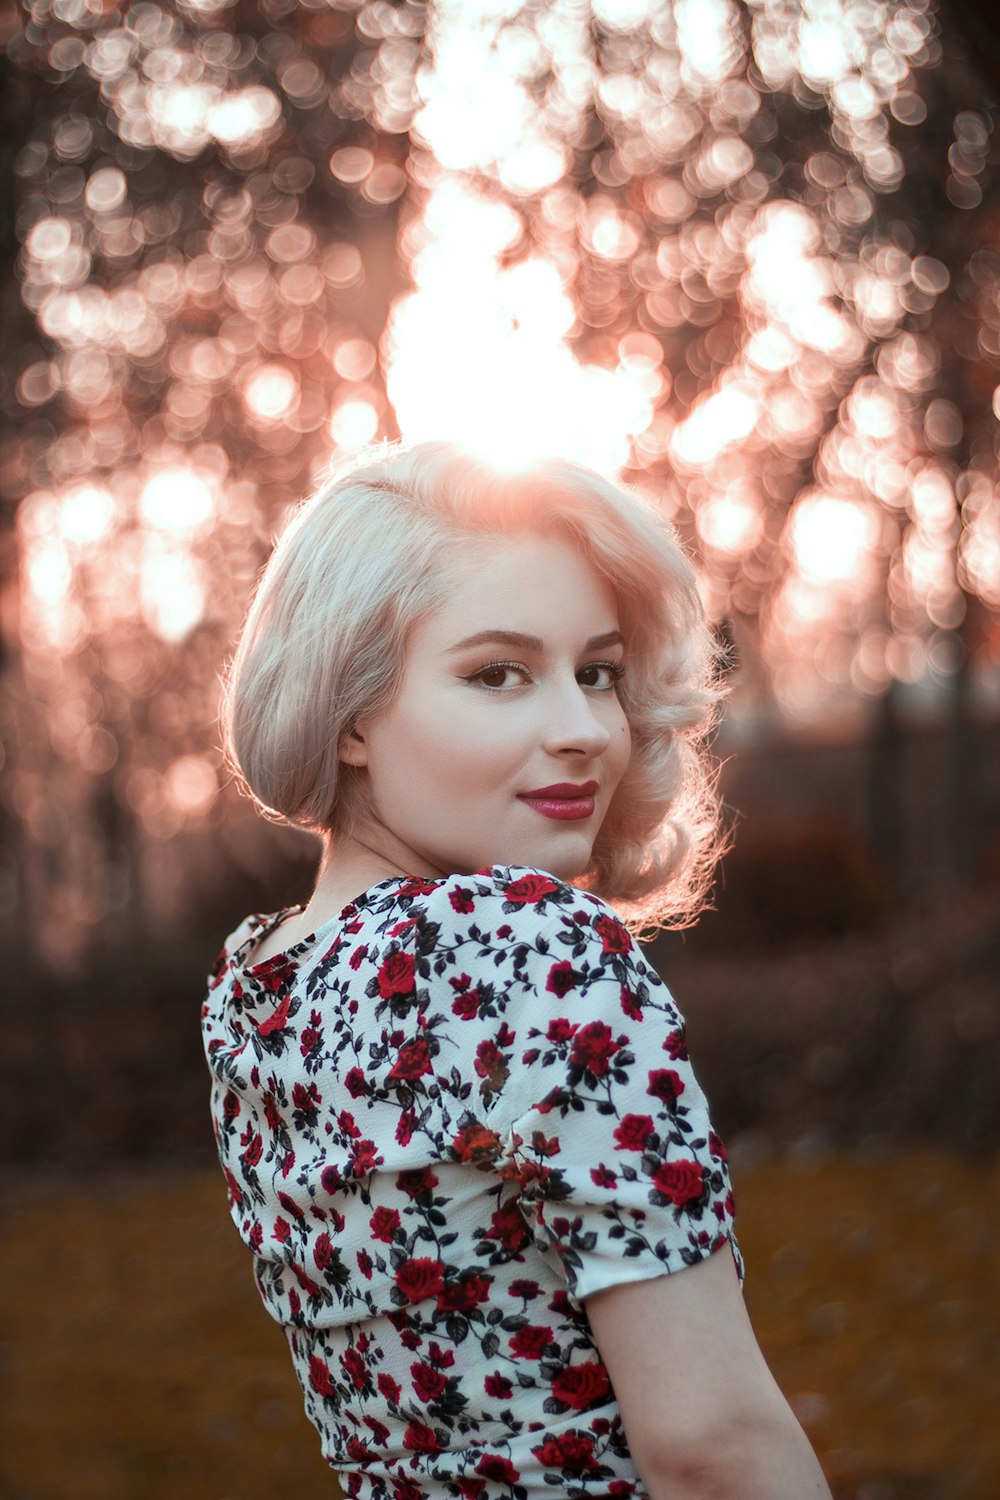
{"type": "Point", "coordinates": [587, 1086]}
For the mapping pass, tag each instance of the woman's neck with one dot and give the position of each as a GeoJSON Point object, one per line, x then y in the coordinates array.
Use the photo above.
{"type": "Point", "coordinates": [354, 862]}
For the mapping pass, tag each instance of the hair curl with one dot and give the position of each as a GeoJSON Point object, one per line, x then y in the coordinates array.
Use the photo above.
{"type": "Point", "coordinates": [371, 554]}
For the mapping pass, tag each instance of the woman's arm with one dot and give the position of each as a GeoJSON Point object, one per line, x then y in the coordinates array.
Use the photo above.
{"type": "Point", "coordinates": [703, 1415]}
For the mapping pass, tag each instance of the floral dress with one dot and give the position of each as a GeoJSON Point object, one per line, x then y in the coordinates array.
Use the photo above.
{"type": "Point", "coordinates": [445, 1119]}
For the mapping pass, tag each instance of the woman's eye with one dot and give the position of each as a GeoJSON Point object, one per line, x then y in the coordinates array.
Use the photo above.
{"type": "Point", "coordinates": [603, 675]}
{"type": "Point", "coordinates": [500, 675]}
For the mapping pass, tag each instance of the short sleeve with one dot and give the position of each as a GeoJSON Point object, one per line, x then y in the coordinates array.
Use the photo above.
{"type": "Point", "coordinates": [587, 1085]}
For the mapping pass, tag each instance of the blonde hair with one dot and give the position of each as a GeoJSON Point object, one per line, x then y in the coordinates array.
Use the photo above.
{"type": "Point", "coordinates": [371, 554]}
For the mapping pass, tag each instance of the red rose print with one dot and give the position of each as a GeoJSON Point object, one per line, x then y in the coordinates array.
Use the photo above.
{"type": "Point", "coordinates": [544, 1145]}
{"type": "Point", "coordinates": [395, 977]}
{"type": "Point", "coordinates": [495, 1466]}
{"type": "Point", "coordinates": [306, 1100]}
{"type": "Point", "coordinates": [354, 1365]}
{"type": "Point", "coordinates": [593, 1048]}
{"type": "Point", "coordinates": [508, 1227]}
{"type": "Point", "coordinates": [383, 1224]}
{"type": "Point", "coordinates": [530, 1342]}
{"type": "Point", "coordinates": [420, 1439]}
{"type": "Point", "coordinates": [530, 888]}
{"type": "Point", "coordinates": [465, 1295]}
{"type": "Point", "coordinates": [420, 1278]}
{"type": "Point", "coordinates": [364, 1158]}
{"type": "Point", "coordinates": [583, 1385]}
{"type": "Point", "coordinates": [572, 1452]}
{"type": "Point", "coordinates": [354, 1082]}
{"type": "Point", "coordinates": [305, 1282]}
{"type": "Point", "coordinates": [675, 1046]}
{"type": "Point", "coordinates": [378, 1430]}
{"type": "Point", "coordinates": [682, 1182]}
{"type": "Point", "coordinates": [630, 1004]}
{"type": "Point", "coordinates": [427, 1382]}
{"type": "Point", "coordinates": [665, 1084]}
{"type": "Point", "coordinates": [318, 1126]}
{"type": "Point", "coordinates": [415, 1183]}
{"type": "Point", "coordinates": [615, 936]}
{"type": "Point", "coordinates": [254, 1150]}
{"type": "Point", "coordinates": [276, 1020]}
{"type": "Point", "coordinates": [491, 1065]}
{"type": "Point", "coordinates": [632, 1133]}
{"type": "Point", "coordinates": [560, 1030]}
{"type": "Point", "coordinates": [562, 978]}
{"type": "Point", "coordinates": [412, 1060]}
{"type": "Point", "coordinates": [474, 1142]}
{"type": "Point", "coordinates": [319, 1377]}
{"type": "Point", "coordinates": [405, 1489]}
{"type": "Point", "coordinates": [274, 972]}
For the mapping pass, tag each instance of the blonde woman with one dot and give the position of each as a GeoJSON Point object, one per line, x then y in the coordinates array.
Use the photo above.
{"type": "Point", "coordinates": [453, 1103]}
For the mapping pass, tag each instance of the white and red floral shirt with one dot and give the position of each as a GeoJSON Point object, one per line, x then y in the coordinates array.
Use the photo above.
{"type": "Point", "coordinates": [445, 1119]}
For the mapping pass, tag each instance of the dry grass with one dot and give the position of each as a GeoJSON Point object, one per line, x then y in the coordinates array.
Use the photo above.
{"type": "Point", "coordinates": [136, 1365]}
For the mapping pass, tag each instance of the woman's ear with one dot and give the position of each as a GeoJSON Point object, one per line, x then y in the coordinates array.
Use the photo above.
{"type": "Point", "coordinates": [353, 750]}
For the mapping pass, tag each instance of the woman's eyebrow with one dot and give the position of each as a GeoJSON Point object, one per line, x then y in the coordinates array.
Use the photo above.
{"type": "Point", "coordinates": [532, 642]}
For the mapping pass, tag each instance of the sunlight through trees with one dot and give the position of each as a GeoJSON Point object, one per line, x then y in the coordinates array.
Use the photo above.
{"type": "Point", "coordinates": [743, 252]}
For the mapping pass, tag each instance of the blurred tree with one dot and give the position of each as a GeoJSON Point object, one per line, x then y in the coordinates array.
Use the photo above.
{"type": "Point", "coordinates": [745, 252]}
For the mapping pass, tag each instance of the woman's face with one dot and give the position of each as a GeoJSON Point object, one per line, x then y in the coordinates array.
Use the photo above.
{"type": "Point", "coordinates": [507, 740]}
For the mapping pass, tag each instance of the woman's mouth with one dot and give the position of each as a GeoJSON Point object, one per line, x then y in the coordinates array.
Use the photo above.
{"type": "Point", "coordinates": [563, 801]}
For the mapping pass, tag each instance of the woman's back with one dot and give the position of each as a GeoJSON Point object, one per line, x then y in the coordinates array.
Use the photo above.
{"type": "Point", "coordinates": [459, 1109]}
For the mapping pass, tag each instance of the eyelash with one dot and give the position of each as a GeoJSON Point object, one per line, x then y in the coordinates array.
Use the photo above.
{"type": "Point", "coordinates": [616, 669]}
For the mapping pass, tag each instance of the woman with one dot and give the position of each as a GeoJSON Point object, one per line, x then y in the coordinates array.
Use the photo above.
{"type": "Point", "coordinates": [453, 1103]}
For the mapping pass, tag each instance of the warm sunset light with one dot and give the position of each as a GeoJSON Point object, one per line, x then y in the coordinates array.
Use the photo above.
{"type": "Point", "coordinates": [742, 256]}
{"type": "Point", "coordinates": [686, 242]}
{"type": "Point", "coordinates": [833, 539]}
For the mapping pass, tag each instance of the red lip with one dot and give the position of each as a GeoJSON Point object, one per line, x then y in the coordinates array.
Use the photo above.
{"type": "Point", "coordinates": [564, 789]}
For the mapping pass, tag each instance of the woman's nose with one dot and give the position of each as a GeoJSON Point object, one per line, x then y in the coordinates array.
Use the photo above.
{"type": "Point", "coordinates": [574, 723]}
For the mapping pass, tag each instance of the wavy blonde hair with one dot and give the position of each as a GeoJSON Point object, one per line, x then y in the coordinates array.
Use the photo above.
{"type": "Point", "coordinates": [371, 554]}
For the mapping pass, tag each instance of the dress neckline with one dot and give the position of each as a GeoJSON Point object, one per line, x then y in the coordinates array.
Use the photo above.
{"type": "Point", "coordinates": [263, 925]}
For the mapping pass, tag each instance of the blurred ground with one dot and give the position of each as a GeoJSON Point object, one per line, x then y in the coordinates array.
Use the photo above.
{"type": "Point", "coordinates": [137, 1362]}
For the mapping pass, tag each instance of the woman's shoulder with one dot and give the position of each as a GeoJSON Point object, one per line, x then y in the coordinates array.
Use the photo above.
{"type": "Point", "coordinates": [523, 895]}
{"type": "Point", "coordinates": [244, 938]}
{"type": "Point", "coordinates": [509, 907]}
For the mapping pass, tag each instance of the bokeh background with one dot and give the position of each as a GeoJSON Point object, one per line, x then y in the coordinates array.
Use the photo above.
{"type": "Point", "coordinates": [745, 253]}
